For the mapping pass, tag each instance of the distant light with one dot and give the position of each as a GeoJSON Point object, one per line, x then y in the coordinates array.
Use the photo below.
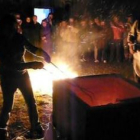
{"type": "Point", "coordinates": [41, 13]}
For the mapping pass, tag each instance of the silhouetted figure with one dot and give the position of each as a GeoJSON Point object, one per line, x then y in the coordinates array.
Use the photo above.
{"type": "Point", "coordinates": [27, 28]}
{"type": "Point", "coordinates": [134, 48]}
{"type": "Point", "coordinates": [14, 74]}
{"type": "Point", "coordinates": [35, 31]}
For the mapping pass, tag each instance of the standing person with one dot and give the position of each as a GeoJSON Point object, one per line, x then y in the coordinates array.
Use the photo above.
{"type": "Point", "coordinates": [26, 26]}
{"type": "Point", "coordinates": [19, 21]}
{"type": "Point", "coordinates": [134, 47]}
{"type": "Point", "coordinates": [128, 25]}
{"type": "Point", "coordinates": [83, 40]}
{"type": "Point", "coordinates": [62, 37]}
{"type": "Point", "coordinates": [97, 30]}
{"type": "Point", "coordinates": [72, 40]}
{"type": "Point", "coordinates": [36, 27]}
{"type": "Point", "coordinates": [116, 46]}
{"type": "Point", "coordinates": [46, 38]}
{"type": "Point", "coordinates": [51, 21]}
{"type": "Point", "coordinates": [52, 25]}
{"type": "Point", "coordinates": [106, 36]}
{"type": "Point", "coordinates": [14, 74]}
{"type": "Point", "coordinates": [19, 27]}
{"type": "Point", "coordinates": [90, 36]}
{"type": "Point", "coordinates": [67, 45]}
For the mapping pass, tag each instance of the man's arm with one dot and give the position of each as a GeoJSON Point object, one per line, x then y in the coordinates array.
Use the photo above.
{"type": "Point", "coordinates": [22, 66]}
{"type": "Point", "coordinates": [37, 51]}
{"type": "Point", "coordinates": [41, 53]}
{"type": "Point", "coordinates": [30, 65]}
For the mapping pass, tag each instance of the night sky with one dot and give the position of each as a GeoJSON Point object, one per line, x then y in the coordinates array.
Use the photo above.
{"type": "Point", "coordinates": [103, 8]}
{"type": "Point", "coordinates": [106, 8]}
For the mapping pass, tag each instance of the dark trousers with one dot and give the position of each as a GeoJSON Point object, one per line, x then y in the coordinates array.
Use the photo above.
{"type": "Point", "coordinates": [9, 84]}
{"type": "Point", "coordinates": [116, 51]}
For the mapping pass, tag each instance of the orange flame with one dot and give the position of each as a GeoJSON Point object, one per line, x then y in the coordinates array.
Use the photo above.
{"type": "Point", "coordinates": [42, 80]}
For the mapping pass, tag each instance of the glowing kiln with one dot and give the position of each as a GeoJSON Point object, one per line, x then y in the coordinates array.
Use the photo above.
{"type": "Point", "coordinates": [102, 107]}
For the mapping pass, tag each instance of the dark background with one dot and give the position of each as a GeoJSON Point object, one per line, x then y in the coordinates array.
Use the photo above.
{"type": "Point", "coordinates": [66, 8]}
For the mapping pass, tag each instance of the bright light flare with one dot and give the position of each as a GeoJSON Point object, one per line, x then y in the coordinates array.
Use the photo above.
{"type": "Point", "coordinates": [61, 71]}
{"type": "Point", "coordinates": [42, 80]}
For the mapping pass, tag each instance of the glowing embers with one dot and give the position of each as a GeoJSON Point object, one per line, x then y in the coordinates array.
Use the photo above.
{"type": "Point", "coordinates": [42, 80]}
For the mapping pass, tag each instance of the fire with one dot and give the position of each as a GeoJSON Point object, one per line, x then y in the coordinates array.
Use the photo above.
{"type": "Point", "coordinates": [42, 80]}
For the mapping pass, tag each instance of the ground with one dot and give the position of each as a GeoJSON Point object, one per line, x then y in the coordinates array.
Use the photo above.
{"type": "Point", "coordinates": [19, 117]}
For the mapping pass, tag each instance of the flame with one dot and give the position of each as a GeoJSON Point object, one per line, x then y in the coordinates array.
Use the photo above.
{"type": "Point", "coordinates": [42, 80]}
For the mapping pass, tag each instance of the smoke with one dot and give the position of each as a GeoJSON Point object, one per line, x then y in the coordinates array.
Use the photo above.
{"type": "Point", "coordinates": [67, 51]}
{"type": "Point", "coordinates": [67, 46]}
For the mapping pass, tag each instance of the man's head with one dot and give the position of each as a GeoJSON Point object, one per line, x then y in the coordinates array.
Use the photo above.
{"type": "Point", "coordinates": [35, 18]}
{"type": "Point", "coordinates": [17, 16]}
{"type": "Point", "coordinates": [50, 16]}
{"type": "Point", "coordinates": [28, 19]}
{"type": "Point", "coordinates": [83, 23]}
{"type": "Point", "coordinates": [116, 18]}
{"type": "Point", "coordinates": [44, 23]}
{"type": "Point", "coordinates": [8, 23]}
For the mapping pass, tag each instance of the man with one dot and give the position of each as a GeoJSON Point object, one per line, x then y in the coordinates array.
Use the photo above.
{"type": "Point", "coordinates": [14, 74]}
{"type": "Point", "coordinates": [128, 25]}
{"type": "Point", "coordinates": [35, 31]}
{"type": "Point", "coordinates": [116, 45]}
{"type": "Point", "coordinates": [46, 39]}
{"type": "Point", "coordinates": [134, 47]}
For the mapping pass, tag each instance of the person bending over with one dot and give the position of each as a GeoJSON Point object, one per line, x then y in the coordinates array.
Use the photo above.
{"type": "Point", "coordinates": [14, 74]}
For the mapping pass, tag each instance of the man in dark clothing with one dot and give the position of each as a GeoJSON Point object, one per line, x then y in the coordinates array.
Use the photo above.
{"type": "Point", "coordinates": [14, 74]}
{"type": "Point", "coordinates": [27, 28]}
{"type": "Point", "coordinates": [35, 31]}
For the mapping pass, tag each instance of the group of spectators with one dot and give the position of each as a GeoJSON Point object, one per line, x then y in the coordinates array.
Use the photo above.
{"type": "Point", "coordinates": [100, 39]}
{"type": "Point", "coordinates": [39, 34]}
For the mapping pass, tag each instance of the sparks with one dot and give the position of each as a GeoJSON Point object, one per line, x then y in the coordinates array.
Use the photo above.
{"type": "Point", "coordinates": [42, 80]}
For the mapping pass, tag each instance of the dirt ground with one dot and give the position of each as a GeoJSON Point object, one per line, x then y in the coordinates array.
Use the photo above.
{"type": "Point", "coordinates": [19, 117]}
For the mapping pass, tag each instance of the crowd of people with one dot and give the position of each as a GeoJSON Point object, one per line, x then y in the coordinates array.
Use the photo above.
{"type": "Point", "coordinates": [37, 34]}
{"type": "Point", "coordinates": [104, 40]}
{"type": "Point", "coordinates": [74, 39]}
{"type": "Point", "coordinates": [115, 39]}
